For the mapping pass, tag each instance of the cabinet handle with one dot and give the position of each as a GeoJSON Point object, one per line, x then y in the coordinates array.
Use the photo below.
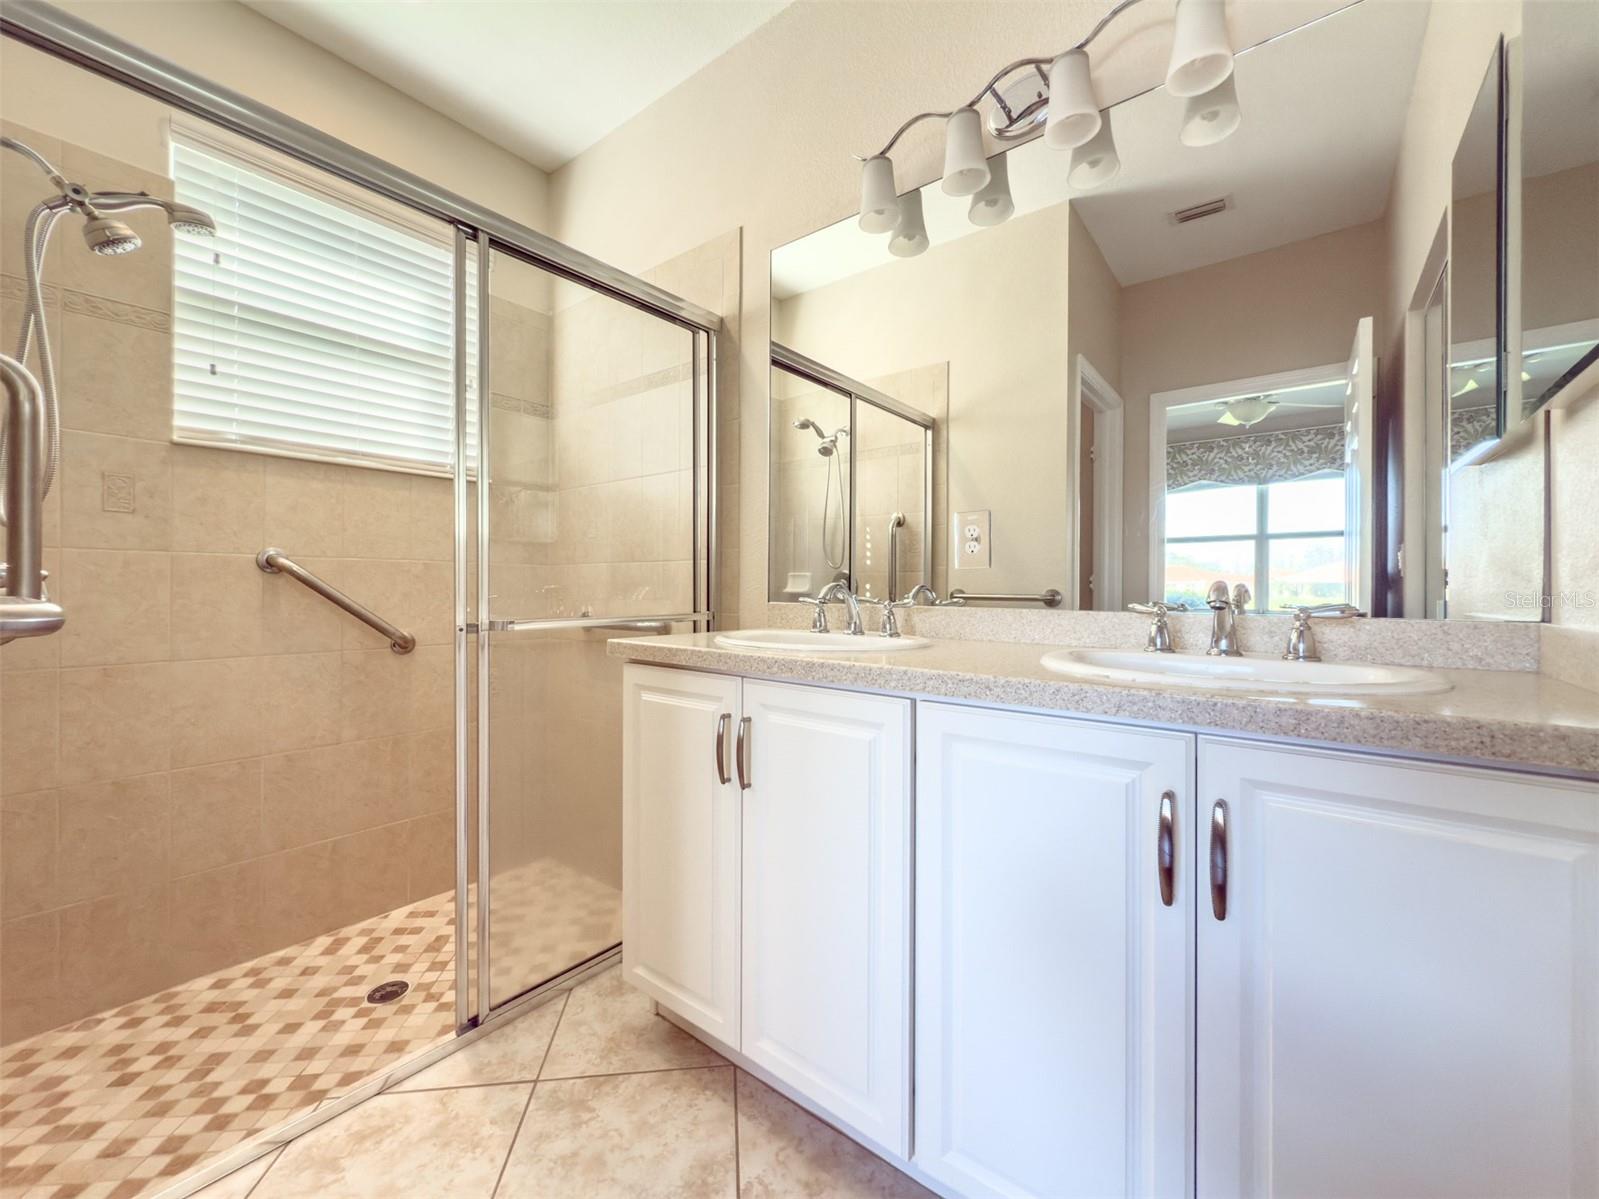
{"type": "Point", "coordinates": [1218, 859]}
{"type": "Point", "coordinates": [722, 721]}
{"type": "Point", "coordinates": [1165, 851]}
{"type": "Point", "coordinates": [743, 754]}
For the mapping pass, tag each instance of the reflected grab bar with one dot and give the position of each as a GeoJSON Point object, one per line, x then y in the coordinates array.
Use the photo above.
{"type": "Point", "coordinates": [274, 561]}
{"type": "Point", "coordinates": [1050, 598]}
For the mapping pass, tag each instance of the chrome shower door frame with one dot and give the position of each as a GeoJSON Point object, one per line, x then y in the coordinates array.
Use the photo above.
{"type": "Point", "coordinates": [475, 1004]}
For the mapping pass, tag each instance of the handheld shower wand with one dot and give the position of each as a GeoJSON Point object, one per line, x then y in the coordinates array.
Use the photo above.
{"type": "Point", "coordinates": [105, 234]}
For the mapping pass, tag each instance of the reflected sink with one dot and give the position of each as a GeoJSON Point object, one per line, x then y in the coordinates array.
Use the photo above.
{"type": "Point", "coordinates": [1252, 672]}
{"type": "Point", "coordinates": [804, 641]}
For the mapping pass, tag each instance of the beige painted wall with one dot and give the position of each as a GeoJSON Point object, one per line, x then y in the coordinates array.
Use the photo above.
{"type": "Point", "coordinates": [1284, 309]}
{"type": "Point", "coordinates": [979, 304]}
{"type": "Point", "coordinates": [1093, 332]}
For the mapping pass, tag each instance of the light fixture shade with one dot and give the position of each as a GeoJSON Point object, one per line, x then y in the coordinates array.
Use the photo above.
{"type": "Point", "coordinates": [1201, 56]}
{"type": "Point", "coordinates": [965, 168]}
{"type": "Point", "coordinates": [1073, 114]}
{"type": "Point", "coordinates": [993, 205]}
{"type": "Point", "coordinates": [1096, 163]}
{"type": "Point", "coordinates": [1212, 117]}
{"type": "Point", "coordinates": [879, 204]}
{"type": "Point", "coordinates": [910, 236]}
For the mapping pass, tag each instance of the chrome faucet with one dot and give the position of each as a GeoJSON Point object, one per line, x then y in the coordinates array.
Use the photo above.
{"type": "Point", "coordinates": [1301, 640]}
{"type": "Point", "coordinates": [1225, 609]}
{"type": "Point", "coordinates": [839, 590]}
{"type": "Point", "coordinates": [1159, 631]}
{"type": "Point", "coordinates": [818, 617]}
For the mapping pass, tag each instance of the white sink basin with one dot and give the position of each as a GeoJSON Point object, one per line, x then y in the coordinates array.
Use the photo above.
{"type": "Point", "coordinates": [804, 641]}
{"type": "Point", "coordinates": [1252, 672]}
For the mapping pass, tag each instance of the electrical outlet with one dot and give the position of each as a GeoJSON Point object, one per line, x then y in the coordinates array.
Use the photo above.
{"type": "Point", "coordinates": [972, 549]}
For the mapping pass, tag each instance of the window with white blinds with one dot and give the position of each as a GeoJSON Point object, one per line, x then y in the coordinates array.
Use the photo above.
{"type": "Point", "coordinates": [311, 327]}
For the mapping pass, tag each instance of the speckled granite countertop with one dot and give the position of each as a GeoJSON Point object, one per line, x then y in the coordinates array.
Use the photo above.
{"type": "Point", "coordinates": [1498, 717]}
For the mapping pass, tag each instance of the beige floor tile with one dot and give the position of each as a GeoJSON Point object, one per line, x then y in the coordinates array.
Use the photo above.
{"type": "Point", "coordinates": [610, 1028]}
{"type": "Point", "coordinates": [510, 1054]}
{"type": "Point", "coordinates": [241, 1182]}
{"type": "Point", "coordinates": [635, 1136]}
{"type": "Point", "coordinates": [443, 1144]}
{"type": "Point", "coordinates": [787, 1153]}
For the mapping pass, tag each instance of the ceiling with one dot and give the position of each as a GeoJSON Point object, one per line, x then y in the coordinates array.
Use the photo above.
{"type": "Point", "coordinates": [1313, 154]}
{"type": "Point", "coordinates": [1303, 407]}
{"type": "Point", "coordinates": [546, 79]}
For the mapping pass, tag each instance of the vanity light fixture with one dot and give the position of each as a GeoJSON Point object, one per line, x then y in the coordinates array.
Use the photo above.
{"type": "Point", "coordinates": [965, 167]}
{"type": "Point", "coordinates": [1211, 117]}
{"type": "Point", "coordinates": [910, 236]}
{"type": "Point", "coordinates": [1057, 91]}
{"type": "Point", "coordinates": [993, 205]}
{"type": "Point", "coordinates": [1095, 163]}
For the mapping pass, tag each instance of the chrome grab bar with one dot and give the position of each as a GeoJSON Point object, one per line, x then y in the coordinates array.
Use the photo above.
{"type": "Point", "coordinates": [627, 623]}
{"type": "Point", "coordinates": [25, 610]}
{"type": "Point", "coordinates": [1050, 598]}
{"type": "Point", "coordinates": [274, 561]}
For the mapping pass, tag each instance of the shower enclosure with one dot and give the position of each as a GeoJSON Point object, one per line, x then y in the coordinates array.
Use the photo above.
{"type": "Point", "coordinates": [291, 854]}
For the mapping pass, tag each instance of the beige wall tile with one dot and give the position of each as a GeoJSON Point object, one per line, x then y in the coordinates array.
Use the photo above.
{"type": "Point", "coordinates": [217, 501]}
{"type": "Point", "coordinates": [432, 519]}
{"type": "Point", "coordinates": [430, 784]}
{"type": "Point", "coordinates": [115, 838]}
{"type": "Point", "coordinates": [115, 949]}
{"type": "Point", "coordinates": [217, 710]}
{"type": "Point", "coordinates": [119, 607]}
{"type": "Point", "coordinates": [372, 784]}
{"type": "Point", "coordinates": [30, 976]}
{"type": "Point", "coordinates": [100, 472]}
{"type": "Point", "coordinates": [302, 510]}
{"type": "Point", "coordinates": [294, 619]}
{"type": "Point", "coordinates": [298, 701]}
{"type": "Point", "coordinates": [29, 730]}
{"type": "Point", "coordinates": [27, 853]}
{"type": "Point", "coordinates": [377, 510]}
{"type": "Point", "coordinates": [299, 894]}
{"type": "Point", "coordinates": [375, 693]}
{"type": "Point", "coordinates": [298, 797]}
{"type": "Point", "coordinates": [116, 721]}
{"type": "Point", "coordinates": [430, 855]}
{"type": "Point", "coordinates": [216, 816]}
{"type": "Point", "coordinates": [216, 919]}
{"type": "Point", "coordinates": [116, 377]}
{"type": "Point", "coordinates": [216, 606]}
{"type": "Point", "coordinates": [370, 868]}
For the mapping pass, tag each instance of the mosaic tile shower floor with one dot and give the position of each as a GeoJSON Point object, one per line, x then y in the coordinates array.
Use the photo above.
{"type": "Point", "coordinates": [124, 1102]}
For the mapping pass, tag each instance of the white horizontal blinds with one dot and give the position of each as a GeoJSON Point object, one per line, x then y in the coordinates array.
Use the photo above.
{"type": "Point", "coordinates": [310, 327]}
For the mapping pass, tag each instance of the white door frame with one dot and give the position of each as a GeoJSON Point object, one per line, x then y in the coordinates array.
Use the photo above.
{"type": "Point", "coordinates": [1106, 404]}
{"type": "Point", "coordinates": [1159, 401]}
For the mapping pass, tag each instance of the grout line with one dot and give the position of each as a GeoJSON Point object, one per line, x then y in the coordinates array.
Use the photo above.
{"type": "Point", "coordinates": [550, 1044]}
{"type": "Point", "coordinates": [738, 1161]}
{"type": "Point", "coordinates": [522, 1082]}
{"type": "Point", "coordinates": [510, 1147]}
{"type": "Point", "coordinates": [256, 1185]}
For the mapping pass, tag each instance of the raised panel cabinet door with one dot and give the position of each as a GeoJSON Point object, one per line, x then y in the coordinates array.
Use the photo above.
{"type": "Point", "coordinates": [1398, 989]}
{"type": "Point", "coordinates": [1054, 956]}
{"type": "Point", "coordinates": [827, 826]}
{"type": "Point", "coordinates": [680, 835]}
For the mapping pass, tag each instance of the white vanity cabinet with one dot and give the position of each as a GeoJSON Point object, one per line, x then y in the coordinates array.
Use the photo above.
{"type": "Point", "coordinates": [766, 892]}
{"type": "Point", "coordinates": [1401, 994]}
{"type": "Point", "coordinates": [1054, 956]}
{"type": "Point", "coordinates": [680, 843]}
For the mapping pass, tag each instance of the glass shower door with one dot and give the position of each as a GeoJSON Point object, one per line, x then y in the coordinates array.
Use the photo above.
{"type": "Point", "coordinates": [589, 526]}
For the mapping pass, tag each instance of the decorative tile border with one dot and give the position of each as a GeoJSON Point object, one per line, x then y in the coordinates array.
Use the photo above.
{"type": "Point", "coordinates": [85, 304]}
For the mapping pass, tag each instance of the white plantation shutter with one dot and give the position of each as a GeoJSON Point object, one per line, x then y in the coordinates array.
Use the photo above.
{"type": "Point", "coordinates": [310, 327]}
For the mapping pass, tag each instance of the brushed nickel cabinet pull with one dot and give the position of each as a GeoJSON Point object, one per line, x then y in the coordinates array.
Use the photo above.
{"type": "Point", "coordinates": [743, 754]}
{"type": "Point", "coordinates": [1218, 859]}
{"type": "Point", "coordinates": [722, 722]}
{"type": "Point", "coordinates": [1165, 848]}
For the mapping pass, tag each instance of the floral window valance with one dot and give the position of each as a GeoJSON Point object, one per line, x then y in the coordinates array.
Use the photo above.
{"type": "Point", "coordinates": [1256, 457]}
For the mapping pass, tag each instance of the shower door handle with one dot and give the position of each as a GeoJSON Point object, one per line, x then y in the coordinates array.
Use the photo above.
{"type": "Point", "coordinates": [722, 722]}
{"type": "Point", "coordinates": [742, 754]}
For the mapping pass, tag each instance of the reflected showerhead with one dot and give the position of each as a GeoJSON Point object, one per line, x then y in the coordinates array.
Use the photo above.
{"type": "Point", "coordinates": [184, 219]}
{"type": "Point", "coordinates": [107, 235]}
{"type": "Point", "coordinates": [808, 423]}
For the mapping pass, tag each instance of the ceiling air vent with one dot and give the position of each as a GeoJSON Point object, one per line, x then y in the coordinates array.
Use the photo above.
{"type": "Point", "coordinates": [1195, 212]}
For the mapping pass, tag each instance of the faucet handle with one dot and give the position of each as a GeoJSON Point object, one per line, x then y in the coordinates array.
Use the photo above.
{"type": "Point", "coordinates": [1159, 631]}
{"type": "Point", "coordinates": [1159, 607]}
{"type": "Point", "coordinates": [1241, 597]}
{"type": "Point", "coordinates": [890, 624]}
{"type": "Point", "coordinates": [819, 620]}
{"type": "Point", "coordinates": [1323, 611]}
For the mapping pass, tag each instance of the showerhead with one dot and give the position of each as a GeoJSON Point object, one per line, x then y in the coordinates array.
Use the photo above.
{"type": "Point", "coordinates": [184, 219]}
{"type": "Point", "coordinates": [108, 236]}
{"type": "Point", "coordinates": [808, 423]}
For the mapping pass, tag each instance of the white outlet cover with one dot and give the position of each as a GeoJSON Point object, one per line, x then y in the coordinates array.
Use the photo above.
{"type": "Point", "coordinates": [973, 542]}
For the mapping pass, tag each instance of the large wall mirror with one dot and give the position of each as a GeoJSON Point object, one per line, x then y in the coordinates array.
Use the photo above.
{"type": "Point", "coordinates": [1176, 354]}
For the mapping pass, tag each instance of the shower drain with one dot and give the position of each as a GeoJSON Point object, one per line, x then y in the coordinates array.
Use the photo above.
{"type": "Point", "coordinates": [387, 992]}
